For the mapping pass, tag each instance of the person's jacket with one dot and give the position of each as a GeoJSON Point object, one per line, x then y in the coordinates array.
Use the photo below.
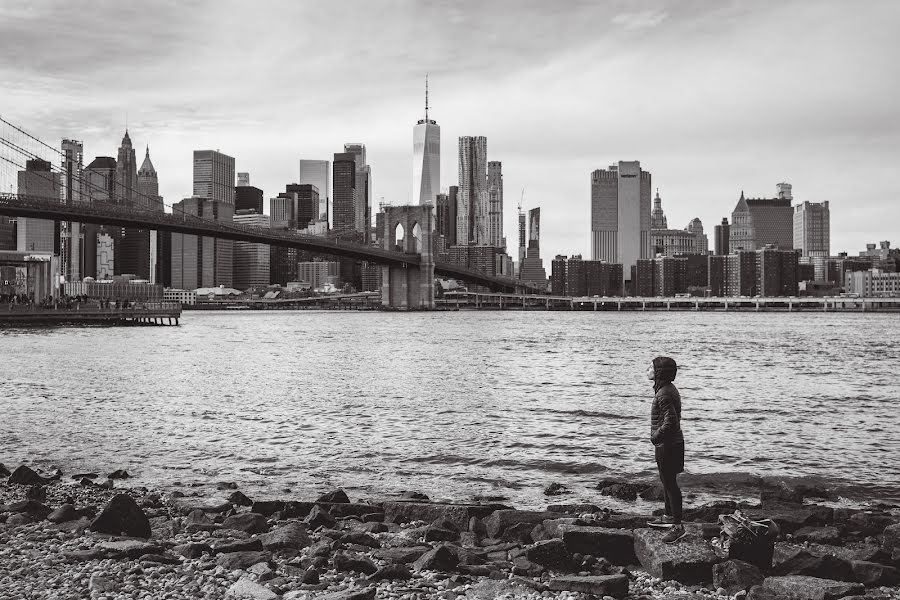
{"type": "Point", "coordinates": [665, 416]}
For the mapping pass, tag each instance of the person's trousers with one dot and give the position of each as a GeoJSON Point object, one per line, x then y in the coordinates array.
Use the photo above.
{"type": "Point", "coordinates": [670, 462]}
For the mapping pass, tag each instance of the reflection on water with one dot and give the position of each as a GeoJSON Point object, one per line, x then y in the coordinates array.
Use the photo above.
{"type": "Point", "coordinates": [452, 404]}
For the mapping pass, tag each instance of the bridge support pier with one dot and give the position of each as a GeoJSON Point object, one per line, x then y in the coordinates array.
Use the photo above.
{"type": "Point", "coordinates": [409, 287]}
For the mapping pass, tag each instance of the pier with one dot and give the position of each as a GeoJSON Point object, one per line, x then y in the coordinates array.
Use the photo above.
{"type": "Point", "coordinates": [148, 313]}
{"type": "Point", "coordinates": [490, 301]}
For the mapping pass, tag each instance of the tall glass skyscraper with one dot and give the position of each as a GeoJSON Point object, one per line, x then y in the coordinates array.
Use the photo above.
{"type": "Point", "coordinates": [472, 201]}
{"type": "Point", "coordinates": [214, 176]}
{"type": "Point", "coordinates": [426, 158]}
{"type": "Point", "coordinates": [318, 173]}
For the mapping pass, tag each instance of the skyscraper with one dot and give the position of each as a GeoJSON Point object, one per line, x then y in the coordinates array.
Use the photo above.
{"type": "Point", "coordinates": [723, 237]}
{"type": "Point", "coordinates": [426, 158]}
{"type": "Point", "coordinates": [200, 261]}
{"type": "Point", "coordinates": [99, 188]}
{"type": "Point", "coordinates": [251, 260]}
{"type": "Point", "coordinates": [522, 245]}
{"type": "Point", "coordinates": [758, 222]}
{"type": "Point", "coordinates": [126, 176]}
{"type": "Point", "coordinates": [812, 229]}
{"type": "Point", "coordinates": [472, 201]}
{"type": "Point", "coordinates": [214, 176]}
{"type": "Point", "coordinates": [362, 204]}
{"type": "Point", "coordinates": [495, 205]}
{"type": "Point", "coordinates": [344, 193]}
{"type": "Point", "coordinates": [72, 236]}
{"type": "Point", "coordinates": [453, 201]}
{"type": "Point", "coordinates": [620, 215]}
{"type": "Point", "coordinates": [306, 208]}
{"type": "Point", "coordinates": [657, 216]}
{"type": "Point", "coordinates": [132, 245]}
{"type": "Point", "coordinates": [532, 268]}
{"type": "Point", "coordinates": [318, 173]}
{"type": "Point", "coordinates": [148, 185]}
{"type": "Point", "coordinates": [38, 235]}
{"type": "Point", "coordinates": [247, 197]}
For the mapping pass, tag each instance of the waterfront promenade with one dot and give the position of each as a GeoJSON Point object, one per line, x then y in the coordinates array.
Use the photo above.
{"type": "Point", "coordinates": [147, 313]}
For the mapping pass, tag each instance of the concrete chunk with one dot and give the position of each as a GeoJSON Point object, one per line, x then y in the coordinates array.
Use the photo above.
{"type": "Point", "coordinates": [689, 560]}
{"type": "Point", "coordinates": [601, 585]}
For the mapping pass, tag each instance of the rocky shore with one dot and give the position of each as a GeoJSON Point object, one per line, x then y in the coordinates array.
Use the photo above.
{"type": "Point", "coordinates": [89, 536]}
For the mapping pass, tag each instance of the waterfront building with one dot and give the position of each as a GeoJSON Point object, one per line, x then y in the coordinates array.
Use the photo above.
{"type": "Point", "coordinates": [716, 281]}
{"type": "Point", "coordinates": [576, 277]}
{"type": "Point", "coordinates": [251, 260]}
{"type": "Point", "coordinates": [643, 278]}
{"type": "Point", "coordinates": [38, 235]}
{"type": "Point", "coordinates": [201, 261]}
{"type": "Point", "coordinates": [426, 181]}
{"type": "Point", "coordinates": [495, 204]}
{"type": "Point", "coordinates": [620, 215]}
{"type": "Point", "coordinates": [71, 234]}
{"type": "Point", "coordinates": [812, 235]}
{"type": "Point", "coordinates": [362, 192]}
{"type": "Point", "coordinates": [186, 297]}
{"type": "Point", "coordinates": [873, 283]}
{"type": "Point", "coordinates": [723, 237]}
{"type": "Point", "coordinates": [344, 194]}
{"type": "Point", "coordinates": [282, 264]}
{"type": "Point", "coordinates": [214, 176]}
{"type": "Point", "coordinates": [558, 275]}
{"type": "Point", "coordinates": [759, 222]}
{"type": "Point", "coordinates": [472, 198]}
{"type": "Point", "coordinates": [670, 276]}
{"type": "Point", "coordinates": [318, 273]}
{"type": "Point", "coordinates": [777, 272]}
{"type": "Point", "coordinates": [740, 273]}
{"type": "Point", "coordinates": [120, 287]}
{"type": "Point", "coordinates": [481, 258]}
{"type": "Point", "coordinates": [697, 273]}
{"type": "Point", "coordinates": [318, 173]}
{"type": "Point", "coordinates": [532, 270]}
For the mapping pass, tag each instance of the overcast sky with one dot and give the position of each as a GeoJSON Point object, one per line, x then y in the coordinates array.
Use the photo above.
{"type": "Point", "coordinates": [713, 97]}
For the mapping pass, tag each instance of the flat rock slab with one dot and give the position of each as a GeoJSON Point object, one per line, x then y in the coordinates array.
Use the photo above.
{"type": "Point", "coordinates": [364, 594]}
{"type": "Point", "coordinates": [247, 588]}
{"type": "Point", "coordinates": [188, 504]}
{"type": "Point", "coordinates": [457, 514]}
{"type": "Point", "coordinates": [500, 520]}
{"type": "Point", "coordinates": [615, 545]}
{"type": "Point", "coordinates": [802, 587]}
{"type": "Point", "coordinates": [601, 585]}
{"type": "Point", "coordinates": [130, 548]}
{"type": "Point", "coordinates": [403, 555]}
{"type": "Point", "coordinates": [292, 535]}
{"type": "Point", "coordinates": [689, 560]}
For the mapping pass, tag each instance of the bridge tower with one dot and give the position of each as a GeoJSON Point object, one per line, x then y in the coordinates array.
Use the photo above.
{"type": "Point", "coordinates": [408, 229]}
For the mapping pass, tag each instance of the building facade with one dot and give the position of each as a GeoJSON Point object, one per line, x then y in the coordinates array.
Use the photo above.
{"type": "Point", "coordinates": [318, 173]}
{"type": "Point", "coordinates": [873, 283]}
{"type": "Point", "coordinates": [38, 235]}
{"type": "Point", "coordinates": [760, 222]}
{"type": "Point", "coordinates": [250, 260]}
{"type": "Point", "coordinates": [201, 261]}
{"type": "Point", "coordinates": [812, 229]}
{"type": "Point", "coordinates": [495, 204]}
{"type": "Point", "coordinates": [426, 181]}
{"type": "Point", "coordinates": [531, 269]}
{"type": "Point", "coordinates": [362, 192]}
{"type": "Point", "coordinates": [472, 198]}
{"type": "Point", "coordinates": [620, 215]}
{"type": "Point", "coordinates": [71, 234]}
{"type": "Point", "coordinates": [723, 237]}
{"type": "Point", "coordinates": [214, 176]}
{"type": "Point", "coordinates": [318, 273]}
{"type": "Point", "coordinates": [344, 194]}
{"type": "Point", "coordinates": [247, 197]}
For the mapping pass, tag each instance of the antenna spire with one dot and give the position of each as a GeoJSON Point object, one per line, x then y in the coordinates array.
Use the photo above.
{"type": "Point", "coordinates": [426, 96]}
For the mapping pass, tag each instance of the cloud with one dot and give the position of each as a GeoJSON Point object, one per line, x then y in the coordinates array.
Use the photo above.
{"type": "Point", "coordinates": [645, 19]}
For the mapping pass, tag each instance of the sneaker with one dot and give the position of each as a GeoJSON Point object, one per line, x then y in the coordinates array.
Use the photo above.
{"type": "Point", "coordinates": [663, 522]}
{"type": "Point", "coordinates": [676, 533]}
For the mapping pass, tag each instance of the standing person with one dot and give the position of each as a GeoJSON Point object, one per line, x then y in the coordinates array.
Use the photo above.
{"type": "Point", "coordinates": [665, 433]}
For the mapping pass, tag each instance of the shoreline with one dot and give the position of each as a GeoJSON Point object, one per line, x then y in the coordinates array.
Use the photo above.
{"type": "Point", "coordinates": [209, 543]}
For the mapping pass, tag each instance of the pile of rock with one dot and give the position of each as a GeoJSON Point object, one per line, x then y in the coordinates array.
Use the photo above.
{"type": "Point", "coordinates": [62, 541]}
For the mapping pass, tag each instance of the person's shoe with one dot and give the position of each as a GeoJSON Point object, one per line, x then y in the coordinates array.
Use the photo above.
{"type": "Point", "coordinates": [676, 533]}
{"type": "Point", "coordinates": [664, 522]}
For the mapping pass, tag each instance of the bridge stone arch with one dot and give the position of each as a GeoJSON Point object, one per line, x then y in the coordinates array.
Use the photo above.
{"type": "Point", "coordinates": [409, 287]}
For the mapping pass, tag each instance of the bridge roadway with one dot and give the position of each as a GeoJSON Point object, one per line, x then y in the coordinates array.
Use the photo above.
{"type": "Point", "coordinates": [121, 216]}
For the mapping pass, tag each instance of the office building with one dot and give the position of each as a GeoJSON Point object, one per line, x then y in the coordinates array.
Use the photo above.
{"type": "Point", "coordinates": [522, 244]}
{"type": "Point", "coordinates": [812, 234]}
{"type": "Point", "coordinates": [139, 189]}
{"type": "Point", "coordinates": [575, 277]}
{"type": "Point", "coordinates": [472, 197]}
{"type": "Point", "coordinates": [38, 235]}
{"type": "Point", "coordinates": [362, 193]}
{"type": "Point", "coordinates": [495, 204]}
{"type": "Point", "coordinates": [723, 237]}
{"type": "Point", "coordinates": [282, 265]}
{"type": "Point", "coordinates": [453, 199]}
{"type": "Point", "coordinates": [243, 180]}
{"type": "Point", "coordinates": [200, 261]}
{"type": "Point", "coordinates": [426, 181]}
{"type": "Point", "coordinates": [760, 222]}
{"type": "Point", "coordinates": [7, 233]}
{"type": "Point", "coordinates": [105, 260]}
{"type": "Point", "coordinates": [318, 173]}
{"type": "Point", "coordinates": [250, 260]}
{"type": "Point", "coordinates": [532, 270]}
{"type": "Point", "coordinates": [148, 185]}
{"type": "Point", "coordinates": [444, 220]}
{"type": "Point", "coordinates": [344, 194]}
{"type": "Point", "coordinates": [99, 187]}
{"type": "Point", "coordinates": [214, 176]}
{"type": "Point", "coordinates": [620, 215]}
{"type": "Point", "coordinates": [247, 197]}
{"type": "Point", "coordinates": [716, 275]}
{"type": "Point", "coordinates": [126, 189]}
{"type": "Point", "coordinates": [71, 234]}
{"type": "Point", "coordinates": [672, 242]}
{"type": "Point", "coordinates": [777, 272]}
{"type": "Point", "coordinates": [318, 273]}
{"type": "Point", "coordinates": [306, 209]}
{"type": "Point", "coordinates": [657, 216]}
{"type": "Point", "coordinates": [873, 283]}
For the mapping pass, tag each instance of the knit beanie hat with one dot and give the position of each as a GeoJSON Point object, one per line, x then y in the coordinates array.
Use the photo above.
{"type": "Point", "coordinates": [665, 368]}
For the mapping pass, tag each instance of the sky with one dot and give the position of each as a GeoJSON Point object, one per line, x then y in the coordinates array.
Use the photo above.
{"type": "Point", "coordinates": [713, 97]}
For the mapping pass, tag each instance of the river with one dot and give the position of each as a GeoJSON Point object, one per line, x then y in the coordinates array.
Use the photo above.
{"type": "Point", "coordinates": [453, 404]}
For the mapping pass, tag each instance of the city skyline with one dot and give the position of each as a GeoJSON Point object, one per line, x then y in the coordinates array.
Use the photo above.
{"type": "Point", "coordinates": [706, 123]}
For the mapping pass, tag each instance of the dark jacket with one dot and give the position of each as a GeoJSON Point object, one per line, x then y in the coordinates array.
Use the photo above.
{"type": "Point", "coordinates": [665, 416]}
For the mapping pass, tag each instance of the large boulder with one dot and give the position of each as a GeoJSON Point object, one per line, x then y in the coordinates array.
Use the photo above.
{"type": "Point", "coordinates": [689, 560]}
{"type": "Point", "coordinates": [798, 561]}
{"type": "Point", "coordinates": [391, 572]}
{"type": "Point", "coordinates": [246, 522]}
{"type": "Point", "coordinates": [791, 517]}
{"type": "Point", "coordinates": [266, 508]}
{"type": "Point", "coordinates": [63, 514]}
{"type": "Point", "coordinates": [32, 508]}
{"type": "Point", "coordinates": [599, 585]}
{"type": "Point", "coordinates": [346, 564]}
{"type": "Point", "coordinates": [122, 516]}
{"type": "Point", "coordinates": [550, 553]}
{"type": "Point", "coordinates": [402, 555]}
{"type": "Point", "coordinates": [249, 589]}
{"type": "Point", "coordinates": [818, 535]}
{"type": "Point", "coordinates": [709, 513]}
{"type": "Point", "coordinates": [501, 520]}
{"type": "Point", "coordinates": [458, 514]}
{"type": "Point", "coordinates": [736, 575]}
{"type": "Point", "coordinates": [891, 538]}
{"type": "Point", "coordinates": [438, 559]}
{"type": "Point", "coordinates": [622, 491]}
{"type": "Point", "coordinates": [241, 560]}
{"type": "Point", "coordinates": [866, 523]}
{"type": "Point", "coordinates": [871, 573]}
{"type": "Point", "coordinates": [319, 518]}
{"type": "Point", "coordinates": [802, 587]}
{"type": "Point", "coordinates": [24, 475]}
{"type": "Point", "coordinates": [292, 535]}
{"type": "Point", "coordinates": [248, 545]}
{"type": "Point", "coordinates": [335, 497]}
{"type": "Point", "coordinates": [615, 545]}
